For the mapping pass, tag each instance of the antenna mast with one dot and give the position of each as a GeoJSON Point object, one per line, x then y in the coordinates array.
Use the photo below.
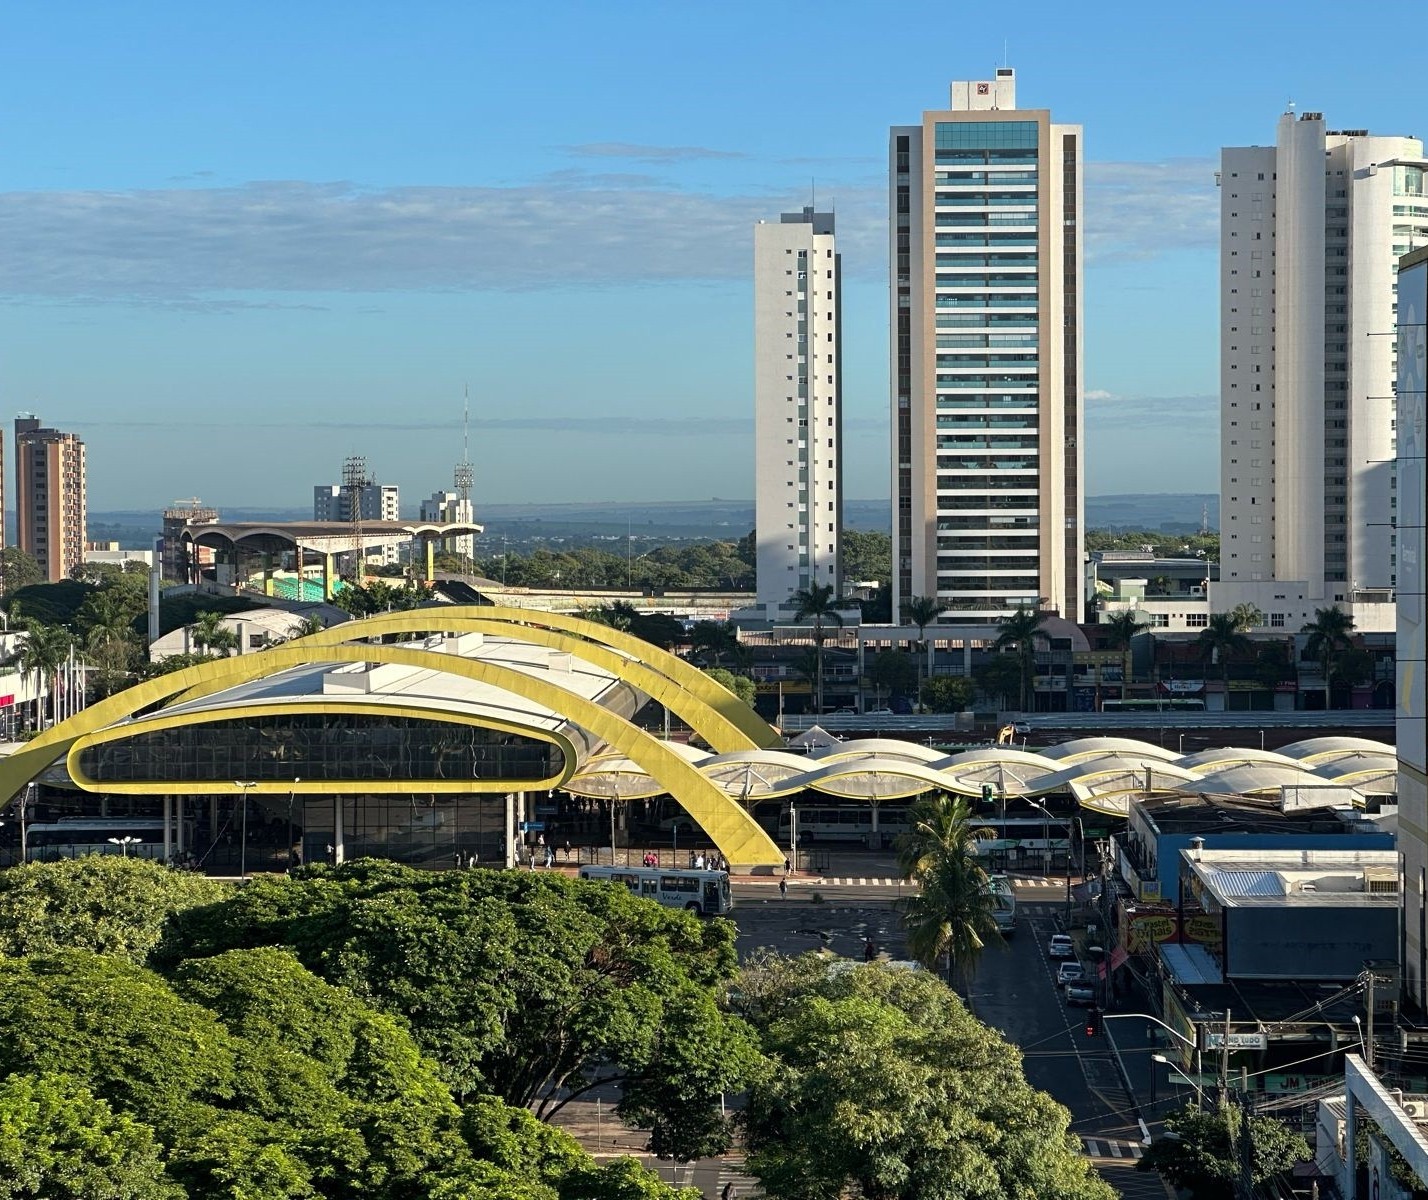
{"type": "Point", "coordinates": [464, 475]}
{"type": "Point", "coordinates": [354, 479]}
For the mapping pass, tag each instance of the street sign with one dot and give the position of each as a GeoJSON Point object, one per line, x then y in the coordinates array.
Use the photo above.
{"type": "Point", "coordinates": [532, 826]}
{"type": "Point", "coordinates": [1238, 1041]}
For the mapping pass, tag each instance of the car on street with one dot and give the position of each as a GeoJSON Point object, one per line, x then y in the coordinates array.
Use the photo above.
{"type": "Point", "coordinates": [1081, 992]}
{"type": "Point", "coordinates": [1069, 972]}
{"type": "Point", "coordinates": [1060, 946]}
{"type": "Point", "coordinates": [1022, 728]}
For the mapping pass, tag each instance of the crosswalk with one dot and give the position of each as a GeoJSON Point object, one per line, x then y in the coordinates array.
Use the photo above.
{"type": "Point", "coordinates": [1112, 1148]}
{"type": "Point", "coordinates": [858, 881]}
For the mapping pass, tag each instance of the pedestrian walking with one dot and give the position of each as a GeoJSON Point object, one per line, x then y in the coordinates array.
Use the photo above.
{"type": "Point", "coordinates": [727, 1193]}
{"type": "Point", "coordinates": [549, 857]}
{"type": "Point", "coordinates": [783, 887]}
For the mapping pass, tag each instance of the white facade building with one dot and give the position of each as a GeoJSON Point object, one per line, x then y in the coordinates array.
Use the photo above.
{"type": "Point", "coordinates": [378, 502]}
{"type": "Point", "coordinates": [986, 376]}
{"type": "Point", "coordinates": [1311, 231]}
{"type": "Point", "coordinates": [798, 420]}
{"type": "Point", "coordinates": [447, 508]}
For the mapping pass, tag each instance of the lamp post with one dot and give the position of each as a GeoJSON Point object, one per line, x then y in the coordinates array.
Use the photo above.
{"type": "Point", "coordinates": [244, 786]}
{"type": "Point", "coordinates": [123, 843]}
{"type": "Point", "coordinates": [1261, 739]}
{"type": "Point", "coordinates": [1174, 1070]}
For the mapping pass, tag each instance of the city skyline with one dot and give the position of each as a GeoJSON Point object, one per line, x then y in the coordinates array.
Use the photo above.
{"type": "Point", "coordinates": [221, 227]}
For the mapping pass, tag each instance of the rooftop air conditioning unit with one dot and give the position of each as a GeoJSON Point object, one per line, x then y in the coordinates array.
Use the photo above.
{"type": "Point", "coordinates": [1415, 1109]}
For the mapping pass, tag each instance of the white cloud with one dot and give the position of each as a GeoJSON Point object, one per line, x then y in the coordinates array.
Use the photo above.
{"type": "Point", "coordinates": [1137, 210]}
{"type": "Point", "coordinates": [649, 154]}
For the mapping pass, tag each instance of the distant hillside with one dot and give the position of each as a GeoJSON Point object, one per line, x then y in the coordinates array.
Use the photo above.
{"type": "Point", "coordinates": [677, 520]}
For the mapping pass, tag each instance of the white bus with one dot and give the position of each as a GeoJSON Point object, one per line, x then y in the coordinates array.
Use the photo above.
{"type": "Point", "coordinates": [844, 823]}
{"type": "Point", "coordinates": [1005, 912]}
{"type": "Point", "coordinates": [703, 892]}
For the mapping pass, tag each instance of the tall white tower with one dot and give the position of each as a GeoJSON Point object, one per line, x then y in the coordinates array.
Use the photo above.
{"type": "Point", "coordinates": [986, 376]}
{"type": "Point", "coordinates": [1311, 229]}
{"type": "Point", "coordinates": [798, 397]}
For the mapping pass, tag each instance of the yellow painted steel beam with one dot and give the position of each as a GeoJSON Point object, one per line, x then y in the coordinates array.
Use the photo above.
{"type": "Point", "coordinates": [710, 722]}
{"type": "Point", "coordinates": [691, 679]}
{"type": "Point", "coordinates": [739, 838]}
{"type": "Point", "coordinates": [341, 787]}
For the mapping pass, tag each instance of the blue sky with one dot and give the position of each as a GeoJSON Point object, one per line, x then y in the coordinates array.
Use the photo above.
{"type": "Point", "coordinates": [239, 242]}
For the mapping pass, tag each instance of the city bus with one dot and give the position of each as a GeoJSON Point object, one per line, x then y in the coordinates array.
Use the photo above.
{"type": "Point", "coordinates": [71, 837]}
{"type": "Point", "coordinates": [842, 823]}
{"type": "Point", "coordinates": [703, 892]}
{"type": "Point", "coordinates": [1005, 911]}
{"type": "Point", "coordinates": [1166, 705]}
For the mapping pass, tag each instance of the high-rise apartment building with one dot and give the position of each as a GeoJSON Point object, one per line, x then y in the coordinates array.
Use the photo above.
{"type": "Point", "coordinates": [986, 376]}
{"type": "Point", "coordinates": [448, 508]}
{"type": "Point", "coordinates": [51, 500]}
{"type": "Point", "coordinates": [376, 502]}
{"type": "Point", "coordinates": [798, 404]}
{"type": "Point", "coordinates": [1311, 229]}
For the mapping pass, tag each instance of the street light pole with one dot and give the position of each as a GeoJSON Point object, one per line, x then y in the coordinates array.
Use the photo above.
{"type": "Point", "coordinates": [245, 786]}
{"type": "Point", "coordinates": [123, 843]}
{"type": "Point", "coordinates": [1174, 1070]}
{"type": "Point", "coordinates": [296, 780]}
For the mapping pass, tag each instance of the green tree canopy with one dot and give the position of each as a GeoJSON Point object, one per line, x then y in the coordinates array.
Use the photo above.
{"type": "Point", "coordinates": [867, 556]}
{"type": "Point", "coordinates": [948, 693]}
{"type": "Point", "coordinates": [101, 902]}
{"type": "Point", "coordinates": [741, 685]}
{"type": "Point", "coordinates": [1205, 1155]}
{"type": "Point", "coordinates": [879, 1083]}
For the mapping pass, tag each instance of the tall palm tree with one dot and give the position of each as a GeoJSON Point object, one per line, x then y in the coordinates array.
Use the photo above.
{"type": "Point", "coordinates": [1019, 631]}
{"type": "Point", "coordinates": [951, 916]}
{"type": "Point", "coordinates": [45, 650]}
{"type": "Point", "coordinates": [1121, 628]}
{"type": "Point", "coordinates": [1329, 633]}
{"type": "Point", "coordinates": [922, 611]}
{"type": "Point", "coordinates": [210, 635]}
{"type": "Point", "coordinates": [819, 602]}
{"type": "Point", "coordinates": [1222, 637]}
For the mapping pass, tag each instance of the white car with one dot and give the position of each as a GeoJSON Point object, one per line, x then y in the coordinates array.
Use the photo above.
{"type": "Point", "coordinates": [1060, 946]}
{"type": "Point", "coordinates": [1069, 972]}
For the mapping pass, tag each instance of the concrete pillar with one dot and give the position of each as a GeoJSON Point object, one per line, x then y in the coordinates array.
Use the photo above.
{"type": "Point", "coordinates": [1351, 1130]}
{"type": "Point", "coordinates": [430, 544]}
{"type": "Point", "coordinates": [510, 840]}
{"type": "Point", "coordinates": [168, 829]}
{"type": "Point", "coordinates": [153, 604]}
{"type": "Point", "coordinates": [339, 833]}
{"type": "Point", "coordinates": [328, 575]}
{"type": "Point", "coordinates": [178, 823]}
{"type": "Point", "coordinates": [297, 564]}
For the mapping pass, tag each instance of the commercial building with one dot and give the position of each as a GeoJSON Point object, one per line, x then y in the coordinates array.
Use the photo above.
{"type": "Point", "coordinates": [366, 501]}
{"type": "Point", "coordinates": [1311, 231]}
{"type": "Point", "coordinates": [450, 508]}
{"type": "Point", "coordinates": [798, 400]}
{"type": "Point", "coordinates": [51, 502]}
{"type": "Point", "coordinates": [1412, 615]}
{"type": "Point", "coordinates": [986, 377]}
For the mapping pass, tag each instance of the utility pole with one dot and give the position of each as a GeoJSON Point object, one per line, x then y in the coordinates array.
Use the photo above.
{"type": "Point", "coordinates": [1368, 1025]}
{"type": "Point", "coordinates": [1224, 1087]}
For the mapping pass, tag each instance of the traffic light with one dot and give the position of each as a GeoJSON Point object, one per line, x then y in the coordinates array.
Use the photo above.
{"type": "Point", "coordinates": [1093, 1022]}
{"type": "Point", "coordinates": [988, 793]}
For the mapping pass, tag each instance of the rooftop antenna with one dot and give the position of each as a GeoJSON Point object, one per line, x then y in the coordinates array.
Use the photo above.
{"type": "Point", "coordinates": [464, 475]}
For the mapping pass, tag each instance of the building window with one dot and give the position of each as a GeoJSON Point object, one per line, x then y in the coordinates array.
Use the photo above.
{"type": "Point", "coordinates": [1197, 620]}
{"type": "Point", "coordinates": [1276, 620]}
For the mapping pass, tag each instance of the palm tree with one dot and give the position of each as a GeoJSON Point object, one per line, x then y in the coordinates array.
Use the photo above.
{"type": "Point", "coordinates": [210, 635]}
{"type": "Point", "coordinates": [951, 914]}
{"type": "Point", "coordinates": [819, 602]}
{"type": "Point", "coordinates": [922, 611]}
{"type": "Point", "coordinates": [1222, 637]}
{"type": "Point", "coordinates": [1329, 633]}
{"type": "Point", "coordinates": [1020, 631]}
{"type": "Point", "coordinates": [1121, 628]}
{"type": "Point", "coordinates": [45, 650]}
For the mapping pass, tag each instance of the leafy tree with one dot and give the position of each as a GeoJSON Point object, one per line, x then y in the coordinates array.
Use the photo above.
{"type": "Point", "coordinates": [741, 685]}
{"type": "Point", "coordinates": [49, 603]}
{"type": "Point", "coordinates": [818, 603]}
{"type": "Point", "coordinates": [18, 570]}
{"type": "Point", "coordinates": [879, 1083]}
{"type": "Point", "coordinates": [1000, 677]}
{"type": "Point", "coordinates": [379, 597]}
{"type": "Point", "coordinates": [212, 636]}
{"type": "Point", "coordinates": [1206, 1154]}
{"type": "Point", "coordinates": [1019, 632]}
{"type": "Point", "coordinates": [519, 985]}
{"type": "Point", "coordinates": [947, 693]}
{"type": "Point", "coordinates": [1221, 638]}
{"type": "Point", "coordinates": [892, 671]}
{"type": "Point", "coordinates": [1330, 633]}
{"type": "Point", "coordinates": [174, 662]}
{"type": "Point", "coordinates": [1247, 617]}
{"type": "Point", "coordinates": [950, 916]}
{"type": "Point", "coordinates": [58, 1140]}
{"type": "Point", "coordinates": [710, 641]}
{"type": "Point", "coordinates": [103, 903]}
{"type": "Point", "coordinates": [867, 556]}
{"type": "Point", "coordinates": [1353, 666]}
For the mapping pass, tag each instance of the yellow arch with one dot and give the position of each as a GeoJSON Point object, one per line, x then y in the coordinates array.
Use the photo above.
{"type": "Point", "coordinates": [711, 722]}
{"type": "Point", "coordinates": [339, 787]}
{"type": "Point", "coordinates": [741, 840]}
{"type": "Point", "coordinates": [690, 679]}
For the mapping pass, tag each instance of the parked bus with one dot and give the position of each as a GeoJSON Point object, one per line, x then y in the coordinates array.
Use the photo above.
{"type": "Point", "coordinates": [703, 892]}
{"type": "Point", "coordinates": [1005, 912]}
{"type": "Point", "coordinates": [850, 823]}
{"type": "Point", "coordinates": [71, 837]}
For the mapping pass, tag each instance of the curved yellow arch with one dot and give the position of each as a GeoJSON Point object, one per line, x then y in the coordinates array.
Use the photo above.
{"type": "Point", "coordinates": [160, 721]}
{"type": "Point", "coordinates": [741, 840]}
{"type": "Point", "coordinates": [690, 679]}
{"type": "Point", "coordinates": [710, 722]}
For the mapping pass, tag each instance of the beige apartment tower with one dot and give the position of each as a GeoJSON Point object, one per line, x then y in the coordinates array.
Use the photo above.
{"type": "Point", "coordinates": [986, 374]}
{"type": "Point", "coordinates": [51, 501]}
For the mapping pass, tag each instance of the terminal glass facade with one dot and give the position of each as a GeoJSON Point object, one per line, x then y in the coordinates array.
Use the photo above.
{"type": "Point", "coordinates": [353, 747]}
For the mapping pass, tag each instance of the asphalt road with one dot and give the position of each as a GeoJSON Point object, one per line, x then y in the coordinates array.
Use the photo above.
{"type": "Point", "coordinates": [1014, 991]}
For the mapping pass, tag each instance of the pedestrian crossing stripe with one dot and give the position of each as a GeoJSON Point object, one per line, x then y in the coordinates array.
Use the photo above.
{"type": "Point", "coordinates": [1111, 1148]}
